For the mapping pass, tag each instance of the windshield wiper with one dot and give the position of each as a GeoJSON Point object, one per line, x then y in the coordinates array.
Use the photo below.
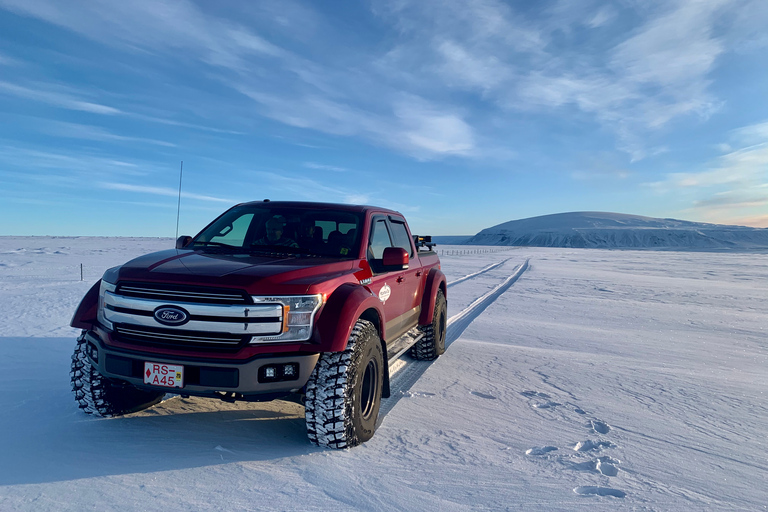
{"type": "Point", "coordinates": [213, 244]}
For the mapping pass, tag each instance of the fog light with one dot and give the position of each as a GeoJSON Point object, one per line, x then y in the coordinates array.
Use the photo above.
{"type": "Point", "coordinates": [279, 372]}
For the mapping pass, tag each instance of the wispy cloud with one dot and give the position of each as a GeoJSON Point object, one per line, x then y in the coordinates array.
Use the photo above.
{"type": "Point", "coordinates": [735, 185]}
{"type": "Point", "coordinates": [84, 164]}
{"type": "Point", "coordinates": [323, 167]}
{"type": "Point", "coordinates": [743, 168]}
{"type": "Point", "coordinates": [415, 126]}
{"type": "Point", "coordinates": [644, 79]}
{"type": "Point", "coordinates": [285, 185]}
{"type": "Point", "coordinates": [732, 199]}
{"type": "Point", "coordinates": [57, 99]}
{"type": "Point", "coordinates": [89, 132]}
{"type": "Point", "coordinates": [163, 26]}
{"type": "Point", "coordinates": [5, 60]}
{"type": "Point", "coordinates": [65, 97]}
{"type": "Point", "coordinates": [751, 135]}
{"type": "Point", "coordinates": [357, 199]}
{"type": "Point", "coordinates": [755, 221]}
{"type": "Point", "coordinates": [430, 130]}
{"type": "Point", "coordinates": [632, 67]}
{"type": "Point", "coordinates": [603, 16]}
{"type": "Point", "coordinates": [161, 191]}
{"type": "Point", "coordinates": [182, 124]}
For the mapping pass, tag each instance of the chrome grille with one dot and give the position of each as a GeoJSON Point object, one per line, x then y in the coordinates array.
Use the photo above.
{"type": "Point", "coordinates": [183, 293]}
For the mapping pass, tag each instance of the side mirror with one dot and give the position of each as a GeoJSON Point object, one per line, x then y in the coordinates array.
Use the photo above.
{"type": "Point", "coordinates": [182, 241]}
{"type": "Point", "coordinates": [395, 258]}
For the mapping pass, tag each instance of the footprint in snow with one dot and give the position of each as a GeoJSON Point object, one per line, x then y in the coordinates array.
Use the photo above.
{"type": "Point", "coordinates": [607, 468]}
{"type": "Point", "coordinates": [592, 490]}
{"type": "Point", "coordinates": [589, 445]}
{"type": "Point", "coordinates": [545, 405]}
{"type": "Point", "coordinates": [483, 395]}
{"type": "Point", "coordinates": [418, 394]}
{"type": "Point", "coordinates": [600, 427]}
{"type": "Point", "coordinates": [604, 465]}
{"type": "Point", "coordinates": [534, 394]}
{"type": "Point", "coordinates": [540, 450]}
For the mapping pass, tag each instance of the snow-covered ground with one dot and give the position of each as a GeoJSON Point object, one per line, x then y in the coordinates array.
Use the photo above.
{"type": "Point", "coordinates": [574, 380]}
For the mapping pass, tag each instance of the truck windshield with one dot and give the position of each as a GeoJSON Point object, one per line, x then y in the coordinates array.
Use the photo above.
{"type": "Point", "coordinates": [257, 228]}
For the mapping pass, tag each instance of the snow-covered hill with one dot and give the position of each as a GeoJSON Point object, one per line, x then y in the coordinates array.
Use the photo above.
{"type": "Point", "coordinates": [617, 230]}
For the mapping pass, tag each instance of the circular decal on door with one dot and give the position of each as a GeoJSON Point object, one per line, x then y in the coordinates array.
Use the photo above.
{"type": "Point", "coordinates": [385, 292]}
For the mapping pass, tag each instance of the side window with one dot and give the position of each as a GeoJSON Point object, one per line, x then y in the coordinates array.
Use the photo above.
{"type": "Point", "coordinates": [400, 236]}
{"type": "Point", "coordinates": [379, 239]}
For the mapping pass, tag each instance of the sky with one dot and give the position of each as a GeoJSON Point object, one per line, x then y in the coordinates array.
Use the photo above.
{"type": "Point", "coordinates": [461, 114]}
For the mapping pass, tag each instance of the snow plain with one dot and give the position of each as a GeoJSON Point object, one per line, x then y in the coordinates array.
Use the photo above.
{"type": "Point", "coordinates": [575, 379]}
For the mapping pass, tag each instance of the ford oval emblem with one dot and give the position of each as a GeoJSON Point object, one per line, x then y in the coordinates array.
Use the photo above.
{"type": "Point", "coordinates": [171, 315]}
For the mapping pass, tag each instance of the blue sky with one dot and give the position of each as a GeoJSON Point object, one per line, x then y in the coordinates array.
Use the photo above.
{"type": "Point", "coordinates": [462, 114]}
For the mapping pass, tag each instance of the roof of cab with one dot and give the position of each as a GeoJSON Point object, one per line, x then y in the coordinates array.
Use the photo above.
{"type": "Point", "coordinates": [322, 206]}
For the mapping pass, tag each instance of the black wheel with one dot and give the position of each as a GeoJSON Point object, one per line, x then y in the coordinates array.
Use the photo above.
{"type": "Point", "coordinates": [344, 391]}
{"type": "Point", "coordinates": [97, 395]}
{"type": "Point", "coordinates": [433, 342]}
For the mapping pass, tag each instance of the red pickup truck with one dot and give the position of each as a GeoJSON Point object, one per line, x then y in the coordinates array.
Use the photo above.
{"type": "Point", "coordinates": [311, 301]}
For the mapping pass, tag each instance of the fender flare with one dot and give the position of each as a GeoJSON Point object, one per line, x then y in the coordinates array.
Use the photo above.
{"type": "Point", "coordinates": [85, 315]}
{"type": "Point", "coordinates": [435, 281]}
{"type": "Point", "coordinates": [346, 305]}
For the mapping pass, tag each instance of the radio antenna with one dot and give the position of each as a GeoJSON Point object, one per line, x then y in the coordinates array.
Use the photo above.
{"type": "Point", "coordinates": [178, 208]}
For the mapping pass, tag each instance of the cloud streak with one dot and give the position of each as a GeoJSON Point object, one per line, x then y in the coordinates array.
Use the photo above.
{"type": "Point", "coordinates": [97, 133]}
{"type": "Point", "coordinates": [56, 99]}
{"type": "Point", "coordinates": [323, 167]}
{"type": "Point", "coordinates": [736, 184]}
{"type": "Point", "coordinates": [161, 191]}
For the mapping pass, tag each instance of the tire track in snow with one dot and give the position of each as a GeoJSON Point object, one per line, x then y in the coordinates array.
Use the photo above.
{"type": "Point", "coordinates": [460, 321]}
{"type": "Point", "coordinates": [412, 370]}
{"type": "Point", "coordinates": [478, 273]}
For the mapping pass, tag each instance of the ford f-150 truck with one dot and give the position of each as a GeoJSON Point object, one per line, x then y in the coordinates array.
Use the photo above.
{"type": "Point", "coordinates": [310, 301]}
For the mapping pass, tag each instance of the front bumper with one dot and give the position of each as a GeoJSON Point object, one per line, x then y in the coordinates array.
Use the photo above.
{"type": "Point", "coordinates": [244, 378]}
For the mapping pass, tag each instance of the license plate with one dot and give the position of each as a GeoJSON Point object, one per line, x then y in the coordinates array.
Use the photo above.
{"type": "Point", "coordinates": [165, 375]}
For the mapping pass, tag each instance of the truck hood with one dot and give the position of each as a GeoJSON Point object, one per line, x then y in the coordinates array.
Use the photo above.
{"type": "Point", "coordinates": [257, 274]}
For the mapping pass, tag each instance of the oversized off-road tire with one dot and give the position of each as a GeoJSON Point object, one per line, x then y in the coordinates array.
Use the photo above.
{"type": "Point", "coordinates": [97, 395]}
{"type": "Point", "coordinates": [343, 394]}
{"type": "Point", "coordinates": [433, 342]}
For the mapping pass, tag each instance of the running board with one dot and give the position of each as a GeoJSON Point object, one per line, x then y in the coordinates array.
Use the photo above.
{"type": "Point", "coordinates": [401, 345]}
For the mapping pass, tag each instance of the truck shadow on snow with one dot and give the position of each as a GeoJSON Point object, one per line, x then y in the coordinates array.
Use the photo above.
{"type": "Point", "coordinates": [46, 438]}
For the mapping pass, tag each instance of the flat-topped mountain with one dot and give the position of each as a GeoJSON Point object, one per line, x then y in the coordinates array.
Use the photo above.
{"type": "Point", "coordinates": [618, 230]}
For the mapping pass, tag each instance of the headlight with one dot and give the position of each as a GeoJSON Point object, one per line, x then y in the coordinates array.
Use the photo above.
{"type": "Point", "coordinates": [103, 289]}
{"type": "Point", "coordinates": [298, 316]}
